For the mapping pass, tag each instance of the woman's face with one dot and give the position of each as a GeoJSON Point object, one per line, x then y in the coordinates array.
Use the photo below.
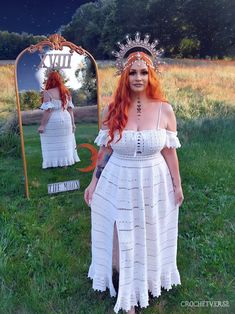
{"type": "Point", "coordinates": [138, 76]}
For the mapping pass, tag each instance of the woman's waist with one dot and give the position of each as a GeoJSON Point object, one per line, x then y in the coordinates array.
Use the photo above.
{"type": "Point", "coordinates": [60, 112]}
{"type": "Point", "coordinates": [137, 156]}
{"type": "Point", "coordinates": [59, 109]}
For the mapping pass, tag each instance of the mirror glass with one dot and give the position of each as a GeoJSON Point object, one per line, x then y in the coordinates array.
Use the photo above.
{"type": "Point", "coordinates": [58, 153]}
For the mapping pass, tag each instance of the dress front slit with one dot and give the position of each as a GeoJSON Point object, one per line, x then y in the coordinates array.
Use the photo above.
{"type": "Point", "coordinates": [115, 248]}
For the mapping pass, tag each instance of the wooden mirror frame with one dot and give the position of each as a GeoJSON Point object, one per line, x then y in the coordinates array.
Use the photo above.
{"type": "Point", "coordinates": [55, 42]}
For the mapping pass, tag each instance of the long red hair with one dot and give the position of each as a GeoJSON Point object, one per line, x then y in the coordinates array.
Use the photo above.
{"type": "Point", "coordinates": [117, 115]}
{"type": "Point", "coordinates": [55, 80]}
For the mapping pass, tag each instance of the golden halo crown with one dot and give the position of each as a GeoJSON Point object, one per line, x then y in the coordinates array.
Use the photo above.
{"type": "Point", "coordinates": [137, 43]}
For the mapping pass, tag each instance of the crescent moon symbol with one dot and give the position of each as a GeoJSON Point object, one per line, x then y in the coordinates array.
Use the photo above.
{"type": "Point", "coordinates": [94, 155]}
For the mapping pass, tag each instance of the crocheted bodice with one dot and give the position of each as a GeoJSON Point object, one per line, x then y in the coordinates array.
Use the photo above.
{"type": "Point", "coordinates": [141, 143]}
{"type": "Point", "coordinates": [55, 104]}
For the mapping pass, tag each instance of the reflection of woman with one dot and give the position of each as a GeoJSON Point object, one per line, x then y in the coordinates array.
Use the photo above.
{"type": "Point", "coordinates": [136, 191]}
{"type": "Point", "coordinates": [57, 124]}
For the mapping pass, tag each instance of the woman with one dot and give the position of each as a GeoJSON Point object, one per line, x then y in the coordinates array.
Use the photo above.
{"type": "Point", "coordinates": [57, 125]}
{"type": "Point", "coordinates": [135, 191]}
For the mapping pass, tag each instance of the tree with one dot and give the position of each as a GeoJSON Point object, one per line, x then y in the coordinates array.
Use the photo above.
{"type": "Point", "coordinates": [85, 28]}
{"type": "Point", "coordinates": [212, 23]}
{"type": "Point", "coordinates": [11, 44]}
{"type": "Point", "coordinates": [30, 100]}
{"type": "Point", "coordinates": [188, 28]}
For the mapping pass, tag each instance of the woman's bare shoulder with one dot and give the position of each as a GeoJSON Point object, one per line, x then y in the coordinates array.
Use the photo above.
{"type": "Point", "coordinates": [52, 92]}
{"type": "Point", "coordinates": [170, 116]}
{"type": "Point", "coordinates": [167, 107]}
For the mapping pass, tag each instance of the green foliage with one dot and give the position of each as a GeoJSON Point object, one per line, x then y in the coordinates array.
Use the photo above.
{"type": "Point", "coordinates": [189, 28]}
{"type": "Point", "coordinates": [185, 28]}
{"type": "Point", "coordinates": [30, 100]}
{"type": "Point", "coordinates": [84, 27]}
{"type": "Point", "coordinates": [212, 23]}
{"type": "Point", "coordinates": [10, 138]}
{"type": "Point", "coordinates": [189, 47]}
{"type": "Point", "coordinates": [10, 144]}
{"type": "Point", "coordinates": [11, 44]}
{"type": "Point", "coordinates": [89, 87]}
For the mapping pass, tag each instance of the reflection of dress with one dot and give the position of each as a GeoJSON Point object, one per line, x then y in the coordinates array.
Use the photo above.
{"type": "Point", "coordinates": [135, 190]}
{"type": "Point", "coordinates": [58, 141]}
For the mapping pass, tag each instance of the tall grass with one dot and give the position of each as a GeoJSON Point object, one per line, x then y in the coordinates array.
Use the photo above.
{"type": "Point", "coordinates": [7, 91]}
{"type": "Point", "coordinates": [194, 92]}
{"type": "Point", "coordinates": [45, 242]}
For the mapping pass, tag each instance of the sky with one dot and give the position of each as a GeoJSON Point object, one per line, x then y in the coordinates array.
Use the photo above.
{"type": "Point", "coordinates": [31, 70]}
{"type": "Point", "coordinates": [35, 17]}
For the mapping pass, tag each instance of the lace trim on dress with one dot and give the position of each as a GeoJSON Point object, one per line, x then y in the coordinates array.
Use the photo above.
{"type": "Point", "coordinates": [102, 137]}
{"type": "Point", "coordinates": [140, 294]}
{"type": "Point", "coordinates": [60, 162]}
{"type": "Point", "coordinates": [48, 105]}
{"type": "Point", "coordinates": [55, 104]}
{"type": "Point", "coordinates": [172, 140]}
{"type": "Point", "coordinates": [70, 104]}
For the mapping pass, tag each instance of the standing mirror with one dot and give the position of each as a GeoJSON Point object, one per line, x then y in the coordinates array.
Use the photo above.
{"type": "Point", "coordinates": [57, 132]}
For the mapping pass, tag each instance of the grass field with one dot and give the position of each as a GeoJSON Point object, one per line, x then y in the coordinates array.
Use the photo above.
{"type": "Point", "coordinates": [45, 241]}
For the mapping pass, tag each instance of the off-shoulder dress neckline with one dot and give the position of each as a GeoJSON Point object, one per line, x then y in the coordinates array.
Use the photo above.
{"type": "Point", "coordinates": [148, 130]}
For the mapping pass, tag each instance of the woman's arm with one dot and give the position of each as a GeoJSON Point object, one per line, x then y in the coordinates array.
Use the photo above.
{"type": "Point", "coordinates": [171, 158]}
{"type": "Point", "coordinates": [70, 110]}
{"type": "Point", "coordinates": [104, 152]}
{"type": "Point", "coordinates": [103, 157]}
{"type": "Point", "coordinates": [45, 117]}
{"type": "Point", "coordinates": [46, 113]}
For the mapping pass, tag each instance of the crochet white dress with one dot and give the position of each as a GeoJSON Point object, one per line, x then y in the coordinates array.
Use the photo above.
{"type": "Point", "coordinates": [135, 190]}
{"type": "Point", "coordinates": [58, 142]}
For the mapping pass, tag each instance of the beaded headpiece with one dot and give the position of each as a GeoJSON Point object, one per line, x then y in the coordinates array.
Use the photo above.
{"type": "Point", "coordinates": [122, 62]}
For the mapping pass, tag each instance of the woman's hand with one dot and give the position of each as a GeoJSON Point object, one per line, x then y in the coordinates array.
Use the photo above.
{"type": "Point", "coordinates": [74, 128]}
{"type": "Point", "coordinates": [41, 129]}
{"type": "Point", "coordinates": [89, 191]}
{"type": "Point", "coordinates": [179, 197]}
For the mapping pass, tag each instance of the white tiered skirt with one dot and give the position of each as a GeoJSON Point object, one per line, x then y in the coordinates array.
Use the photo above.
{"type": "Point", "coordinates": [58, 142]}
{"type": "Point", "coordinates": [136, 193]}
